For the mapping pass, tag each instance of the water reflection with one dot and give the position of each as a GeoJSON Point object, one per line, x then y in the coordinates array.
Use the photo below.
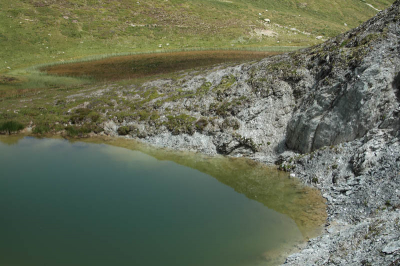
{"type": "Point", "coordinates": [11, 140]}
{"type": "Point", "coordinates": [256, 181]}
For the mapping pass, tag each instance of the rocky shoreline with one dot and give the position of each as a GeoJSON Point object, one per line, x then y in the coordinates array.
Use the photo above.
{"type": "Point", "coordinates": [328, 114]}
{"type": "Point", "coordinates": [360, 180]}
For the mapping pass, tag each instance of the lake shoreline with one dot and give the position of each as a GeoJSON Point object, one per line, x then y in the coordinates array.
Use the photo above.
{"type": "Point", "coordinates": [349, 200]}
{"type": "Point", "coordinates": [308, 231]}
{"type": "Point", "coordinates": [337, 228]}
{"type": "Point", "coordinates": [136, 194]}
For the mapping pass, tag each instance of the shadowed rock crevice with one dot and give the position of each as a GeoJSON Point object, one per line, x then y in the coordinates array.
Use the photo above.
{"type": "Point", "coordinates": [396, 86]}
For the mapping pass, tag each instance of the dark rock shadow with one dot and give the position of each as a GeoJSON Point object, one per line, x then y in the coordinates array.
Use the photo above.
{"type": "Point", "coordinates": [396, 86]}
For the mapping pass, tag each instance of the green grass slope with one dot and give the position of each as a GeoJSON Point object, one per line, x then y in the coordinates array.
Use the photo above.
{"type": "Point", "coordinates": [44, 31]}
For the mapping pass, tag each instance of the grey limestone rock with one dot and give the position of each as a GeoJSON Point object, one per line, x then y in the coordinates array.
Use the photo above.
{"type": "Point", "coordinates": [392, 247]}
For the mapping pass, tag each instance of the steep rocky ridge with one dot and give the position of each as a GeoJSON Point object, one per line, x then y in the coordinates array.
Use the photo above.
{"type": "Point", "coordinates": [354, 87]}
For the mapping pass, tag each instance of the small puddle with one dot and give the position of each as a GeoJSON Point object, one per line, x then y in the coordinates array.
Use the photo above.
{"type": "Point", "coordinates": [119, 202]}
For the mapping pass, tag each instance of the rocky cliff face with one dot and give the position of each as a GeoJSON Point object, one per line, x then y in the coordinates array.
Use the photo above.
{"type": "Point", "coordinates": [354, 86]}
{"type": "Point", "coordinates": [324, 95]}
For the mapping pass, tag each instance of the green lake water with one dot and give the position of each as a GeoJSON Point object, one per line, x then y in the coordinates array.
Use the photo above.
{"type": "Point", "coordinates": [81, 203]}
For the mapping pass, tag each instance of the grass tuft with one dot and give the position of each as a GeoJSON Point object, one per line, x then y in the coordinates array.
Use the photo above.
{"type": "Point", "coordinates": [11, 126]}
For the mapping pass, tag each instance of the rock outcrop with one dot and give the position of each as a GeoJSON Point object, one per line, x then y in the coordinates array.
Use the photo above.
{"type": "Point", "coordinates": [323, 95]}
{"type": "Point", "coordinates": [355, 85]}
{"type": "Point", "coordinates": [360, 180]}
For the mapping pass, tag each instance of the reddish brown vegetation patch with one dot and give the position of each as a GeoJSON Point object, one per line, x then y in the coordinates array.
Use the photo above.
{"type": "Point", "coordinates": [145, 65]}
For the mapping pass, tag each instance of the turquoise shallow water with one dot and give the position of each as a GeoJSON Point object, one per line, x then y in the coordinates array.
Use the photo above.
{"type": "Point", "coordinates": [65, 203]}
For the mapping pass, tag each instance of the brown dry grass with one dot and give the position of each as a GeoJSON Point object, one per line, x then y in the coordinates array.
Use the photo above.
{"type": "Point", "coordinates": [145, 65]}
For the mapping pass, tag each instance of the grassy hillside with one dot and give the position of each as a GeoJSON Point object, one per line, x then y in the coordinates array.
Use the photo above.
{"type": "Point", "coordinates": [54, 103]}
{"type": "Point", "coordinates": [42, 31]}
